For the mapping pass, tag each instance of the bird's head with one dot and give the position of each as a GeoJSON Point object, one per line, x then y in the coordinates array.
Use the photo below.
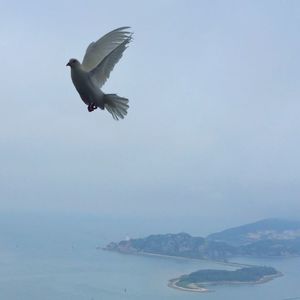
{"type": "Point", "coordinates": [73, 63]}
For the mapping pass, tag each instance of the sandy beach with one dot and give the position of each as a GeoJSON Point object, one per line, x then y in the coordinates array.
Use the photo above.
{"type": "Point", "coordinates": [194, 287]}
{"type": "Point", "coordinates": [191, 287]}
{"type": "Point", "coordinates": [224, 263]}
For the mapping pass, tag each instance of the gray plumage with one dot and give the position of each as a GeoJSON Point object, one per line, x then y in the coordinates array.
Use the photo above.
{"type": "Point", "coordinates": [99, 60]}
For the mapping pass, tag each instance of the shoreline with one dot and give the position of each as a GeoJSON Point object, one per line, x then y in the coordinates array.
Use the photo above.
{"type": "Point", "coordinates": [202, 286]}
{"type": "Point", "coordinates": [194, 288]}
{"type": "Point", "coordinates": [219, 262]}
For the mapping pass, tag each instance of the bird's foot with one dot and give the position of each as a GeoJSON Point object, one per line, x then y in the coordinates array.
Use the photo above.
{"type": "Point", "coordinates": [92, 107]}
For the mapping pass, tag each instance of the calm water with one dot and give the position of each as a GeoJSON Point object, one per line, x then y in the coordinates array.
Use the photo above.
{"type": "Point", "coordinates": [56, 258]}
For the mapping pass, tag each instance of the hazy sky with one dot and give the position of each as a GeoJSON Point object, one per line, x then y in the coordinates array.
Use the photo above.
{"type": "Point", "coordinates": [213, 124]}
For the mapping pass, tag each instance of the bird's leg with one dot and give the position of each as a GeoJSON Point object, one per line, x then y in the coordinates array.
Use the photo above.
{"type": "Point", "coordinates": [92, 107]}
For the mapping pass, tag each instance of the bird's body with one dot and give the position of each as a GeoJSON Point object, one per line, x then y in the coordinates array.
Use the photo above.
{"type": "Point", "coordinates": [90, 75]}
{"type": "Point", "coordinates": [88, 91]}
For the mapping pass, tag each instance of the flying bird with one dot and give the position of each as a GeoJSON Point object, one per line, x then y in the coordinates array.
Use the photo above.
{"type": "Point", "coordinates": [99, 60]}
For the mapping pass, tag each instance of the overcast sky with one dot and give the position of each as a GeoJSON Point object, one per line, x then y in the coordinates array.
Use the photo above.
{"type": "Point", "coordinates": [213, 124]}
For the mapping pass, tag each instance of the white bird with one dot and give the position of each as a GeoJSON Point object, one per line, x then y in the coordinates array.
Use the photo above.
{"type": "Point", "coordinates": [99, 60]}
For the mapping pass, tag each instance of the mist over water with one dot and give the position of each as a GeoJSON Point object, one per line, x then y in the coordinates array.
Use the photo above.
{"type": "Point", "coordinates": [211, 141]}
{"type": "Point", "coordinates": [55, 257]}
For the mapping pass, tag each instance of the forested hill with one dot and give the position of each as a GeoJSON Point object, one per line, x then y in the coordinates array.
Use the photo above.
{"type": "Point", "coordinates": [181, 244]}
{"type": "Point", "coordinates": [269, 237]}
{"type": "Point", "coordinates": [244, 275]}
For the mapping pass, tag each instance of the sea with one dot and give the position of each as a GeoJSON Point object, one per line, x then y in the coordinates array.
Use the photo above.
{"type": "Point", "coordinates": [60, 257]}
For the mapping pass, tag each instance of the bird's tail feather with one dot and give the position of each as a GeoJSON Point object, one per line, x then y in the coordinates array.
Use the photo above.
{"type": "Point", "coordinates": [116, 106]}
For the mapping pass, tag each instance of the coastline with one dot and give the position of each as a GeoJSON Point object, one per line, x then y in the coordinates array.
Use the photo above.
{"type": "Point", "coordinates": [199, 287]}
{"type": "Point", "coordinates": [192, 287]}
{"type": "Point", "coordinates": [202, 287]}
{"type": "Point", "coordinates": [219, 262]}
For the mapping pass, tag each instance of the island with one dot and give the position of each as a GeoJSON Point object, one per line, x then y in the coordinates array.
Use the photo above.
{"type": "Point", "coordinates": [264, 238]}
{"type": "Point", "coordinates": [199, 281]}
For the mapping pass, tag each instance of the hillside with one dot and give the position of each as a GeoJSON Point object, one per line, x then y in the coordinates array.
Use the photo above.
{"type": "Point", "coordinates": [264, 230]}
{"type": "Point", "coordinates": [181, 244]}
{"type": "Point", "coordinates": [243, 275]}
{"type": "Point", "coordinates": [270, 237]}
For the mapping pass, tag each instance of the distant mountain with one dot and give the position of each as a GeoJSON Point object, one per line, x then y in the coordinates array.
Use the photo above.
{"type": "Point", "coordinates": [264, 230]}
{"type": "Point", "coordinates": [270, 237]}
{"type": "Point", "coordinates": [276, 247]}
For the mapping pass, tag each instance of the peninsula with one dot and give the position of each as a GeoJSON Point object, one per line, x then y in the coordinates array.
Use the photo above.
{"type": "Point", "coordinates": [265, 238]}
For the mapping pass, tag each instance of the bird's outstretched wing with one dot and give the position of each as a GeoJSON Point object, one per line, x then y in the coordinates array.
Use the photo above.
{"type": "Point", "coordinates": [101, 72]}
{"type": "Point", "coordinates": [98, 50]}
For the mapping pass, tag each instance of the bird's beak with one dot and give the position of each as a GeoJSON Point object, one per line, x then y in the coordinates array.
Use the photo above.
{"type": "Point", "coordinates": [68, 64]}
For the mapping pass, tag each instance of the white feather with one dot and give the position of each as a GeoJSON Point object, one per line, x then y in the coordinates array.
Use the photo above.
{"type": "Point", "coordinates": [101, 72]}
{"type": "Point", "coordinates": [98, 50]}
